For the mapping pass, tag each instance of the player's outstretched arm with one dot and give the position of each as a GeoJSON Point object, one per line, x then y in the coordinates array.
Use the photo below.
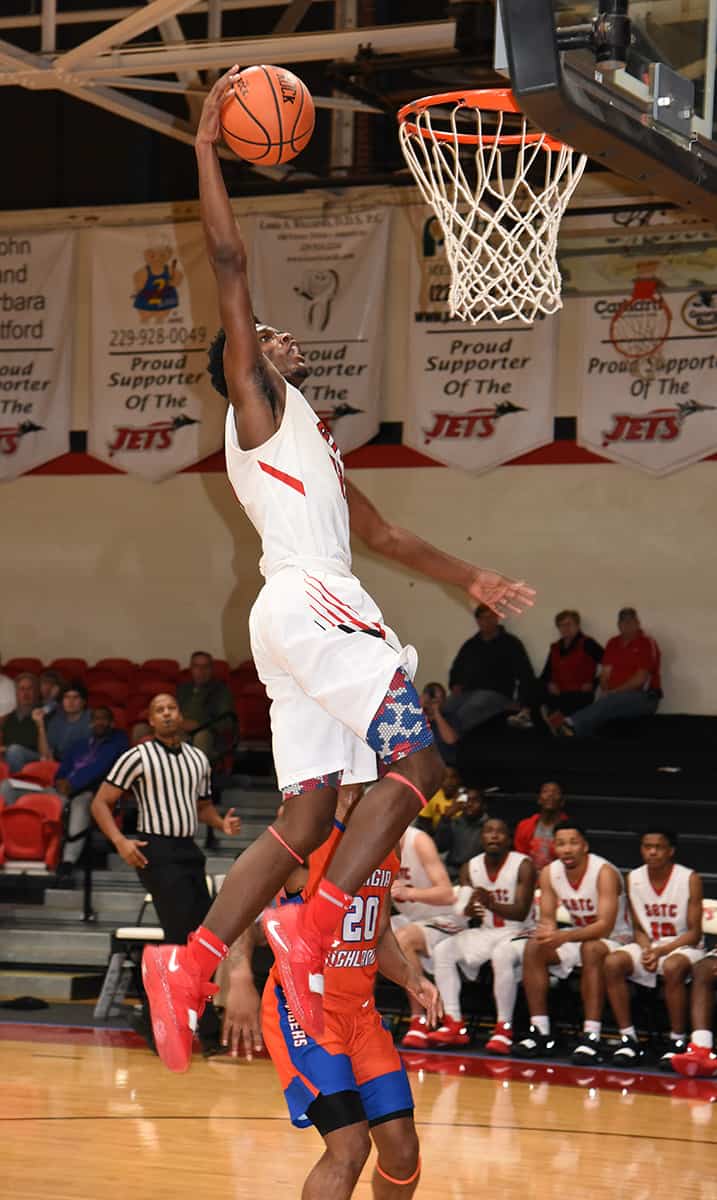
{"type": "Point", "coordinates": [484, 586]}
{"type": "Point", "coordinates": [256, 389]}
{"type": "Point", "coordinates": [242, 1021]}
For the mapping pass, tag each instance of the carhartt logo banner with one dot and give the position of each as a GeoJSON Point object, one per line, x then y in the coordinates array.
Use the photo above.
{"type": "Point", "coordinates": [154, 313]}
{"type": "Point", "coordinates": [476, 396]}
{"type": "Point", "coordinates": [646, 312]}
{"type": "Point", "coordinates": [36, 324]}
{"type": "Point", "coordinates": [322, 277]}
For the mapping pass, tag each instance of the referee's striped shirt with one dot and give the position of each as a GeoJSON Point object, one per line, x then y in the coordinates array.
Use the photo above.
{"type": "Point", "coordinates": [167, 782]}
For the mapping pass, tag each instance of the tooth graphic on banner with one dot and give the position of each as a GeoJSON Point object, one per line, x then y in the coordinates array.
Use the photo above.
{"type": "Point", "coordinates": [154, 314]}
{"type": "Point", "coordinates": [463, 380]}
{"type": "Point", "coordinates": [646, 314]}
{"type": "Point", "coordinates": [322, 277]}
{"type": "Point", "coordinates": [37, 276]}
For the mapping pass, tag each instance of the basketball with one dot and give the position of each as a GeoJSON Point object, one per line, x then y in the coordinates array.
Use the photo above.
{"type": "Point", "coordinates": [269, 116]}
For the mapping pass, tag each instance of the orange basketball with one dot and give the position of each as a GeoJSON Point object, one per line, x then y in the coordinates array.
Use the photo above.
{"type": "Point", "coordinates": [269, 118]}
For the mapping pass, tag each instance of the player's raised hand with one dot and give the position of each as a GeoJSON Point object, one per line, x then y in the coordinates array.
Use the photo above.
{"type": "Point", "coordinates": [428, 995]}
{"type": "Point", "coordinates": [209, 129]}
{"type": "Point", "coordinates": [503, 595]}
{"type": "Point", "coordinates": [242, 1024]}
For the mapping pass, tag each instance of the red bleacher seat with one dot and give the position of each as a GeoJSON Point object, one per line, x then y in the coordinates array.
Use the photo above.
{"type": "Point", "coordinates": [119, 716]}
{"type": "Point", "coordinates": [4, 771]}
{"type": "Point", "coordinates": [252, 709]}
{"type": "Point", "coordinates": [162, 668]}
{"type": "Point", "coordinates": [15, 666]}
{"type": "Point", "coordinates": [123, 668]}
{"type": "Point", "coordinates": [39, 772]}
{"type": "Point", "coordinates": [113, 690]}
{"type": "Point", "coordinates": [32, 830]}
{"type": "Point", "coordinates": [69, 668]}
{"type": "Point", "coordinates": [148, 686]}
{"type": "Point", "coordinates": [245, 671]}
{"type": "Point", "coordinates": [221, 669]}
{"type": "Point", "coordinates": [135, 710]}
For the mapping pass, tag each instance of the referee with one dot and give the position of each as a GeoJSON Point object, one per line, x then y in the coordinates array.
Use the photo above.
{"type": "Point", "coordinates": [171, 782]}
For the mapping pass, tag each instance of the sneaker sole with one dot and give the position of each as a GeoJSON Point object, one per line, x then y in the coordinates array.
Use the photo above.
{"type": "Point", "coordinates": [165, 1026]}
{"type": "Point", "coordinates": [500, 1048]}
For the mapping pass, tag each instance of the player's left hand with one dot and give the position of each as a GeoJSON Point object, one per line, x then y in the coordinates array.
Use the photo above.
{"type": "Point", "coordinates": [400, 891]}
{"type": "Point", "coordinates": [650, 960]}
{"type": "Point", "coordinates": [242, 1022]}
{"type": "Point", "coordinates": [209, 129]}
{"type": "Point", "coordinates": [428, 995]}
{"type": "Point", "coordinates": [231, 825]}
{"type": "Point", "coordinates": [500, 593]}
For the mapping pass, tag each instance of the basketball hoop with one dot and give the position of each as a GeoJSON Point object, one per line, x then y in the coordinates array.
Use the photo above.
{"type": "Point", "coordinates": [500, 232]}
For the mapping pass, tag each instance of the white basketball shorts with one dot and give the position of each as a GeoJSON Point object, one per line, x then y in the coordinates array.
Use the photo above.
{"type": "Point", "coordinates": [326, 658]}
{"type": "Point", "coordinates": [569, 956]}
{"type": "Point", "coordinates": [645, 978]}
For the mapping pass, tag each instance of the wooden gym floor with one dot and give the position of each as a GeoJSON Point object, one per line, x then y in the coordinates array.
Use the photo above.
{"type": "Point", "coordinates": [91, 1115]}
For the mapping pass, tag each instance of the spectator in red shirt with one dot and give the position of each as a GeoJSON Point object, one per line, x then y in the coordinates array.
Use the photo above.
{"type": "Point", "coordinates": [569, 676]}
{"type": "Point", "coordinates": [629, 682]}
{"type": "Point", "coordinates": [534, 835]}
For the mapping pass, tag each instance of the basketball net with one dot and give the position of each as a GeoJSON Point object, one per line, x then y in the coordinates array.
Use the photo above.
{"type": "Point", "coordinates": [500, 234]}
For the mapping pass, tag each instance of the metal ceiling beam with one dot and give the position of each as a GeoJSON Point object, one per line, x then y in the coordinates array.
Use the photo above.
{"type": "Point", "coordinates": [138, 83]}
{"type": "Point", "coordinates": [122, 31]}
{"type": "Point", "coordinates": [48, 27]}
{"type": "Point", "coordinates": [102, 16]}
{"type": "Point", "coordinates": [292, 16]}
{"type": "Point", "coordinates": [171, 33]}
{"type": "Point", "coordinates": [428, 36]}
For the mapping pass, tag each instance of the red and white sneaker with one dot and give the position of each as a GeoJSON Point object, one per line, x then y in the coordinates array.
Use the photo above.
{"type": "Point", "coordinates": [416, 1037]}
{"type": "Point", "coordinates": [177, 995]}
{"type": "Point", "coordinates": [697, 1060]}
{"type": "Point", "coordinates": [501, 1039]}
{"type": "Point", "coordinates": [450, 1033]}
{"type": "Point", "coordinates": [300, 958]}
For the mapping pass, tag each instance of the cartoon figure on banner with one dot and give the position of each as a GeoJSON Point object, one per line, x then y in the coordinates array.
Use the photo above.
{"type": "Point", "coordinates": [329, 415]}
{"type": "Point", "coordinates": [657, 425]}
{"type": "Point", "coordinates": [475, 423]}
{"type": "Point", "coordinates": [11, 434]}
{"type": "Point", "coordinates": [158, 435]}
{"type": "Point", "coordinates": [318, 288]}
{"type": "Point", "coordinates": [435, 272]}
{"type": "Point", "coordinates": [641, 324]}
{"type": "Point", "coordinates": [156, 283]}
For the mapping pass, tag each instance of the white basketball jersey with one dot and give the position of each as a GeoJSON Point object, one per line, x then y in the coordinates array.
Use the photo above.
{"type": "Point", "coordinates": [293, 491]}
{"type": "Point", "coordinates": [503, 885]}
{"type": "Point", "coordinates": [581, 898]}
{"type": "Point", "coordinates": [662, 915]}
{"type": "Point", "coordinates": [413, 872]}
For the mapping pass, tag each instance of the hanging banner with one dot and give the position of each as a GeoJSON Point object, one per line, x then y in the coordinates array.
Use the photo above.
{"type": "Point", "coordinates": [36, 324]}
{"type": "Point", "coordinates": [645, 314]}
{"type": "Point", "coordinates": [476, 395]}
{"type": "Point", "coordinates": [322, 276]}
{"type": "Point", "coordinates": [154, 314]}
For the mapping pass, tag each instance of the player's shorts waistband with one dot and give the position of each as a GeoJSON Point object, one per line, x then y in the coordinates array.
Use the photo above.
{"type": "Point", "coordinates": [321, 566]}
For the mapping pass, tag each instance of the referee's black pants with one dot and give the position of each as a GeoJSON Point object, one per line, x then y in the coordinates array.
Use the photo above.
{"type": "Point", "coordinates": [175, 876]}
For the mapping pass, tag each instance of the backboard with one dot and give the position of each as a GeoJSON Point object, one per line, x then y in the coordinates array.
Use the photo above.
{"type": "Point", "coordinates": [644, 109]}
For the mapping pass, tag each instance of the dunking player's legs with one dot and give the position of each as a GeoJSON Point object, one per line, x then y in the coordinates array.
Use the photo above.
{"type": "Point", "coordinates": [264, 867]}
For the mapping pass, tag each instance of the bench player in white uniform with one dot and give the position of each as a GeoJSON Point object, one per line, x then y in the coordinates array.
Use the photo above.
{"type": "Point", "coordinates": [427, 914]}
{"type": "Point", "coordinates": [339, 680]}
{"type": "Point", "coordinates": [592, 891]}
{"type": "Point", "coordinates": [666, 906]}
{"type": "Point", "coordinates": [500, 890]}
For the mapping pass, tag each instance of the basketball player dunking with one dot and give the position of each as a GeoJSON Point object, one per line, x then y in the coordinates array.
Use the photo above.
{"type": "Point", "coordinates": [339, 681]}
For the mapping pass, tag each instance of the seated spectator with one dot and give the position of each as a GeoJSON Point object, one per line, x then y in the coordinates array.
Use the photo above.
{"type": "Point", "coordinates": [534, 835]}
{"type": "Point", "coordinates": [51, 684]}
{"type": "Point", "coordinates": [666, 908]}
{"type": "Point", "coordinates": [699, 1057]}
{"type": "Point", "coordinates": [64, 726]}
{"type": "Point", "coordinates": [440, 801]}
{"type": "Point", "coordinates": [423, 896]}
{"type": "Point", "coordinates": [629, 682]}
{"type": "Point", "coordinates": [433, 697]}
{"type": "Point", "coordinates": [569, 677]}
{"type": "Point", "coordinates": [7, 696]}
{"type": "Point", "coordinates": [593, 894]}
{"type": "Point", "coordinates": [82, 769]}
{"type": "Point", "coordinates": [458, 833]}
{"type": "Point", "coordinates": [19, 731]}
{"type": "Point", "coordinates": [490, 670]}
{"type": "Point", "coordinates": [499, 896]}
{"type": "Point", "coordinates": [201, 699]}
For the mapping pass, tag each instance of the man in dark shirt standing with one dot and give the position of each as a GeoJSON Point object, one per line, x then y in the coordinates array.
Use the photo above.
{"type": "Point", "coordinates": [204, 698]}
{"type": "Point", "coordinates": [490, 669]}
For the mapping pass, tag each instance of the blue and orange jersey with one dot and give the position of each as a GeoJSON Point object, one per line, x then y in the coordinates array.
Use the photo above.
{"type": "Point", "coordinates": [350, 972]}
